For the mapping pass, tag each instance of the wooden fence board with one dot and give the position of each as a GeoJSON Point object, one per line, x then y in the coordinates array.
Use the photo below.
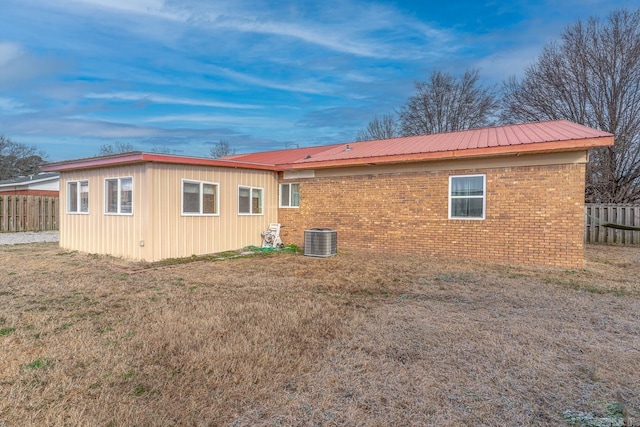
{"type": "Point", "coordinates": [595, 214]}
{"type": "Point", "coordinates": [28, 213]}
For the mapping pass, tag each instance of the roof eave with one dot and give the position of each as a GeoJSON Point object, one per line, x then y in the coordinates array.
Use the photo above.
{"type": "Point", "coordinates": [100, 162]}
{"type": "Point", "coordinates": [33, 181]}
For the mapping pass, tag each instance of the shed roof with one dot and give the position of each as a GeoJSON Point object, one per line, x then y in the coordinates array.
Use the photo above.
{"type": "Point", "coordinates": [140, 157]}
{"type": "Point", "coordinates": [30, 179]}
{"type": "Point", "coordinates": [536, 137]}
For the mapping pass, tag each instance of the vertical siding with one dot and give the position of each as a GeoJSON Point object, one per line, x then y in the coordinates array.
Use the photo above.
{"type": "Point", "coordinates": [174, 235]}
{"type": "Point", "coordinates": [95, 232]}
{"type": "Point", "coordinates": [157, 213]}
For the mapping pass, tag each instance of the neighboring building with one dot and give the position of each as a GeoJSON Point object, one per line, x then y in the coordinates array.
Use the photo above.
{"type": "Point", "coordinates": [42, 184]}
{"type": "Point", "coordinates": [503, 194]}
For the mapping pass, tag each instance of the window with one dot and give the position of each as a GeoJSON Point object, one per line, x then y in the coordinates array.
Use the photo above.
{"type": "Point", "coordinates": [289, 195]}
{"type": "Point", "coordinates": [78, 197]}
{"type": "Point", "coordinates": [118, 196]}
{"type": "Point", "coordinates": [199, 198]}
{"type": "Point", "coordinates": [467, 197]}
{"type": "Point", "coordinates": [249, 201]}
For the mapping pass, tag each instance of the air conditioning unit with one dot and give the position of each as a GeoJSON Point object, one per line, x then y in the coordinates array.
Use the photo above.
{"type": "Point", "coordinates": [320, 242]}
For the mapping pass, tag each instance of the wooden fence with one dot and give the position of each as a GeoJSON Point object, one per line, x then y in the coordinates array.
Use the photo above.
{"type": "Point", "coordinates": [596, 214]}
{"type": "Point", "coordinates": [28, 213]}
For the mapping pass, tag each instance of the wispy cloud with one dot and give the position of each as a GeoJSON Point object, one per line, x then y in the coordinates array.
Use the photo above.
{"type": "Point", "coordinates": [155, 8]}
{"type": "Point", "coordinates": [258, 72]}
{"type": "Point", "coordinates": [9, 51]}
{"type": "Point", "coordinates": [17, 65]}
{"type": "Point", "coordinates": [11, 106]}
{"type": "Point", "coordinates": [264, 122]}
{"type": "Point", "coordinates": [356, 28]}
{"type": "Point", "coordinates": [351, 27]}
{"type": "Point", "coordinates": [161, 99]}
{"type": "Point", "coordinates": [307, 85]}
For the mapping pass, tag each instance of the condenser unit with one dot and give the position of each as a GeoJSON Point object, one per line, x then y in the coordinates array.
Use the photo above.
{"type": "Point", "coordinates": [320, 242]}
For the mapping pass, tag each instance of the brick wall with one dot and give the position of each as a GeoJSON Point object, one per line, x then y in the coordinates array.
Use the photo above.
{"type": "Point", "coordinates": [534, 214]}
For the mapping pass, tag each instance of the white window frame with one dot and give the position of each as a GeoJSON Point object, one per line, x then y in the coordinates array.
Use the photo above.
{"type": "Point", "coordinates": [78, 210]}
{"type": "Point", "coordinates": [119, 201]}
{"type": "Point", "coordinates": [251, 199]}
{"type": "Point", "coordinates": [290, 205]}
{"type": "Point", "coordinates": [201, 194]}
{"type": "Point", "coordinates": [483, 197]}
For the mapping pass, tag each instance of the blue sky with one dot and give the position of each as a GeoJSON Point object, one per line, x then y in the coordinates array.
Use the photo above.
{"type": "Point", "coordinates": [263, 75]}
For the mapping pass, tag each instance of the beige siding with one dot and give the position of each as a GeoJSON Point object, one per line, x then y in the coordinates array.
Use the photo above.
{"type": "Point", "coordinates": [157, 229]}
{"type": "Point", "coordinates": [96, 232]}
{"type": "Point", "coordinates": [174, 235]}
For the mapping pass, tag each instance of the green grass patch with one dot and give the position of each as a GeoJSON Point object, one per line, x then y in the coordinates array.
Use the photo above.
{"type": "Point", "coordinates": [128, 374]}
{"type": "Point", "coordinates": [594, 289]}
{"type": "Point", "coordinates": [6, 331]}
{"type": "Point", "coordinates": [37, 364]}
{"type": "Point", "coordinates": [612, 416]}
{"type": "Point", "coordinates": [139, 390]}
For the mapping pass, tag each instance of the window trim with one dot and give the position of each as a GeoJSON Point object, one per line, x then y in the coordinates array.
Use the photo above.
{"type": "Point", "coordinates": [119, 201]}
{"type": "Point", "coordinates": [250, 188]}
{"type": "Point", "coordinates": [289, 206]}
{"type": "Point", "coordinates": [78, 183]}
{"type": "Point", "coordinates": [201, 194]}
{"type": "Point", "coordinates": [483, 197]}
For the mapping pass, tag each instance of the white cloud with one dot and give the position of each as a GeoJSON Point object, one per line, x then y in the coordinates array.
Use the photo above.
{"type": "Point", "coordinates": [11, 106]}
{"type": "Point", "coordinates": [502, 65]}
{"type": "Point", "coordinates": [307, 85]}
{"type": "Point", "coordinates": [155, 8]}
{"type": "Point", "coordinates": [17, 65]}
{"type": "Point", "coordinates": [9, 51]}
{"type": "Point", "coordinates": [336, 41]}
{"type": "Point", "coordinates": [220, 119]}
{"type": "Point", "coordinates": [160, 99]}
{"type": "Point", "coordinates": [352, 27]}
{"type": "Point", "coordinates": [349, 26]}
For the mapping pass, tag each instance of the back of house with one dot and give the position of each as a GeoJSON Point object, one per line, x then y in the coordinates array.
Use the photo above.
{"type": "Point", "coordinates": [511, 194]}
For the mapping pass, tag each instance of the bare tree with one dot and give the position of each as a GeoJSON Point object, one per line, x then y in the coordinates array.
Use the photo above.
{"type": "Point", "coordinates": [591, 76]}
{"type": "Point", "coordinates": [18, 159]}
{"type": "Point", "coordinates": [162, 149]}
{"type": "Point", "coordinates": [117, 148]}
{"type": "Point", "coordinates": [381, 127]}
{"type": "Point", "coordinates": [222, 148]}
{"type": "Point", "coordinates": [445, 103]}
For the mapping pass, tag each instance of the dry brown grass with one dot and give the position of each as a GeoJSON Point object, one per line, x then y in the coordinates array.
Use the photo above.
{"type": "Point", "coordinates": [357, 339]}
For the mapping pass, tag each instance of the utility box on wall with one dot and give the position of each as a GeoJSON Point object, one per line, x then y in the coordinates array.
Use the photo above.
{"type": "Point", "coordinates": [320, 242]}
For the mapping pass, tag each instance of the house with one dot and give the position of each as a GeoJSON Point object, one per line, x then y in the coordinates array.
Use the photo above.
{"type": "Point", "coordinates": [41, 184]}
{"type": "Point", "coordinates": [511, 194]}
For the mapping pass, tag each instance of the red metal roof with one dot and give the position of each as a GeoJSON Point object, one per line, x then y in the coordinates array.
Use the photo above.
{"type": "Point", "coordinates": [140, 157]}
{"type": "Point", "coordinates": [281, 157]}
{"type": "Point", "coordinates": [536, 137]}
{"type": "Point", "coordinates": [559, 135]}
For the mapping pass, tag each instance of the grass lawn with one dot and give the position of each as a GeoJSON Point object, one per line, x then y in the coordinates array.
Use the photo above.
{"type": "Point", "coordinates": [283, 339]}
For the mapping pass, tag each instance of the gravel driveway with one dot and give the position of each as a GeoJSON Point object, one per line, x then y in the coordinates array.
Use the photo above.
{"type": "Point", "coordinates": [29, 237]}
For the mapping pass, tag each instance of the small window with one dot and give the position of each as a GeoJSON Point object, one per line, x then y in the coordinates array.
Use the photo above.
{"type": "Point", "coordinates": [249, 201]}
{"type": "Point", "coordinates": [199, 198]}
{"type": "Point", "coordinates": [118, 196]}
{"type": "Point", "coordinates": [78, 197]}
{"type": "Point", "coordinates": [290, 195]}
{"type": "Point", "coordinates": [467, 197]}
